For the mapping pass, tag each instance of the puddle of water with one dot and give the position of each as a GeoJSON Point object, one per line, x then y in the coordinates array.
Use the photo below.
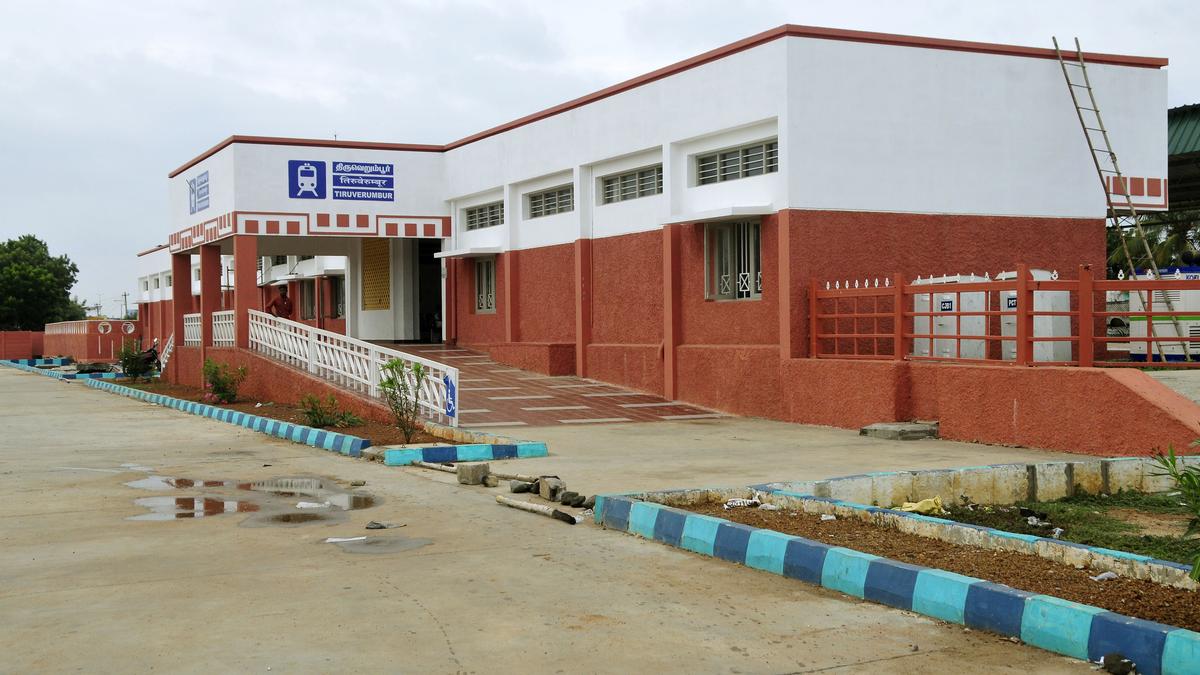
{"type": "Point", "coordinates": [177, 508]}
{"type": "Point", "coordinates": [382, 544]}
{"type": "Point", "coordinates": [297, 518]}
{"type": "Point", "coordinates": [275, 499]}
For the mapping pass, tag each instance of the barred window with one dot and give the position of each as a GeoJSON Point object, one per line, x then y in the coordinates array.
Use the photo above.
{"type": "Point", "coordinates": [550, 202]}
{"type": "Point", "coordinates": [279, 260]}
{"type": "Point", "coordinates": [732, 257]}
{"type": "Point", "coordinates": [734, 163]}
{"type": "Point", "coordinates": [631, 185]}
{"type": "Point", "coordinates": [485, 215]}
{"type": "Point", "coordinates": [485, 286]}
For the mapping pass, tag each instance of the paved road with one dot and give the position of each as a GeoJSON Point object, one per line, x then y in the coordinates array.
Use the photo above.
{"type": "Point", "coordinates": [496, 590]}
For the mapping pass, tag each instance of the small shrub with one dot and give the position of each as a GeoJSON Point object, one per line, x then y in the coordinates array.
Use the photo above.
{"type": "Point", "coordinates": [321, 414]}
{"type": "Point", "coordinates": [221, 382]}
{"type": "Point", "coordinates": [1187, 482]}
{"type": "Point", "coordinates": [401, 388]}
{"type": "Point", "coordinates": [132, 363]}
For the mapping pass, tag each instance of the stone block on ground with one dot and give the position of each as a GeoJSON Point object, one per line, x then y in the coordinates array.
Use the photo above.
{"type": "Point", "coordinates": [567, 497]}
{"type": "Point", "coordinates": [491, 481]}
{"type": "Point", "coordinates": [549, 487]}
{"type": "Point", "coordinates": [518, 486]}
{"type": "Point", "coordinates": [900, 431]}
{"type": "Point", "coordinates": [472, 474]}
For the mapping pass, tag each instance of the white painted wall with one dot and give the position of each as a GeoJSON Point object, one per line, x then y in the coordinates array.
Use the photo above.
{"type": "Point", "coordinates": [862, 127]}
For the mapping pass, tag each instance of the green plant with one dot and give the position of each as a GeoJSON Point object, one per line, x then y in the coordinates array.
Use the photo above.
{"type": "Point", "coordinates": [221, 382]}
{"type": "Point", "coordinates": [1187, 482]}
{"type": "Point", "coordinates": [321, 414]}
{"type": "Point", "coordinates": [133, 364]}
{"type": "Point", "coordinates": [401, 387]}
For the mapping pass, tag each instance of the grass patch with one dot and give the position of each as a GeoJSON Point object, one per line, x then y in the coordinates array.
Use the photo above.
{"type": "Point", "coordinates": [1087, 519]}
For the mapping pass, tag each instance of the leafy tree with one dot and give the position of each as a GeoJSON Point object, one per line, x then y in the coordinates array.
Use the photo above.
{"type": "Point", "coordinates": [1174, 238]}
{"type": "Point", "coordinates": [35, 286]}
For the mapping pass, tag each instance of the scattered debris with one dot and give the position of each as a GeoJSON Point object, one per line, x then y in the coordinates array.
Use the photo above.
{"type": "Point", "coordinates": [1056, 533]}
{"type": "Point", "coordinates": [538, 509]}
{"type": "Point", "coordinates": [491, 481]}
{"type": "Point", "coordinates": [1117, 664]}
{"type": "Point", "coordinates": [589, 503]}
{"type": "Point", "coordinates": [549, 487]}
{"type": "Point", "coordinates": [376, 525]}
{"type": "Point", "coordinates": [738, 503]}
{"type": "Point", "coordinates": [357, 483]}
{"type": "Point", "coordinates": [828, 516]}
{"type": "Point", "coordinates": [1104, 576]}
{"type": "Point", "coordinates": [312, 505]}
{"type": "Point", "coordinates": [768, 507]}
{"type": "Point", "coordinates": [925, 506]}
{"type": "Point", "coordinates": [342, 540]}
{"type": "Point", "coordinates": [519, 486]}
{"type": "Point", "coordinates": [567, 497]}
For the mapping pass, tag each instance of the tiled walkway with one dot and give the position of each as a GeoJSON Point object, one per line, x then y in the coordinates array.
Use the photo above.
{"type": "Point", "coordinates": [495, 395]}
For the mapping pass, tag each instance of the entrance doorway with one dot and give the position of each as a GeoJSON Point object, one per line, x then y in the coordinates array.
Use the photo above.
{"type": "Point", "coordinates": [429, 291]}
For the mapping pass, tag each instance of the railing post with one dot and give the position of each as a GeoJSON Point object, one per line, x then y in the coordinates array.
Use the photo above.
{"type": "Point", "coordinates": [1024, 315]}
{"type": "Point", "coordinates": [372, 373]}
{"type": "Point", "coordinates": [898, 328]}
{"type": "Point", "coordinates": [812, 318]}
{"type": "Point", "coordinates": [312, 351]}
{"type": "Point", "coordinates": [1087, 322]}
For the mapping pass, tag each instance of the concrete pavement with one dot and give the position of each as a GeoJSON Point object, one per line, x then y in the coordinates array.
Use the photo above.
{"type": "Point", "coordinates": [497, 590]}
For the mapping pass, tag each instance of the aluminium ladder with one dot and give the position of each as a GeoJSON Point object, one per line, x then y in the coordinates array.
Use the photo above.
{"type": "Point", "coordinates": [1122, 214]}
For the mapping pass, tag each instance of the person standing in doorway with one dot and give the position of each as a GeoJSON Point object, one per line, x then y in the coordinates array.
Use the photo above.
{"type": "Point", "coordinates": [281, 306]}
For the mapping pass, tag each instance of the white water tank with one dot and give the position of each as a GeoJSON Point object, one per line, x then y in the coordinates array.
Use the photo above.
{"type": "Point", "coordinates": [948, 300]}
{"type": "Point", "coordinates": [1043, 326]}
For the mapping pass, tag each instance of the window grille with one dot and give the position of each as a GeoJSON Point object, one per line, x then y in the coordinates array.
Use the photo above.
{"type": "Point", "coordinates": [550, 202]}
{"type": "Point", "coordinates": [734, 163]}
{"type": "Point", "coordinates": [168, 281]}
{"type": "Point", "coordinates": [732, 261]}
{"type": "Point", "coordinates": [485, 215]}
{"type": "Point", "coordinates": [631, 185]}
{"type": "Point", "coordinates": [485, 285]}
{"type": "Point", "coordinates": [279, 260]}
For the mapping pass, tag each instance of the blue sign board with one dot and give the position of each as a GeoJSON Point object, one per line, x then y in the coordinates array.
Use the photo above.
{"type": "Point", "coordinates": [451, 397]}
{"type": "Point", "coordinates": [364, 181]}
{"type": "Point", "coordinates": [1012, 302]}
{"type": "Point", "coordinates": [947, 305]}
{"type": "Point", "coordinates": [198, 193]}
{"type": "Point", "coordinates": [306, 179]}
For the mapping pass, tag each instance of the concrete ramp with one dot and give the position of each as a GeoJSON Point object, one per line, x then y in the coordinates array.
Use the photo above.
{"type": "Point", "coordinates": [1185, 382]}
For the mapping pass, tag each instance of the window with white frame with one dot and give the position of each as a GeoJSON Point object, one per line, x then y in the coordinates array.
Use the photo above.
{"type": "Point", "coordinates": [168, 281]}
{"type": "Point", "coordinates": [484, 215]}
{"type": "Point", "coordinates": [279, 260]}
{"type": "Point", "coordinates": [146, 285]}
{"type": "Point", "coordinates": [740, 162]}
{"type": "Point", "coordinates": [731, 260]}
{"type": "Point", "coordinates": [631, 185]}
{"type": "Point", "coordinates": [155, 282]}
{"type": "Point", "coordinates": [550, 202]}
{"type": "Point", "coordinates": [485, 285]}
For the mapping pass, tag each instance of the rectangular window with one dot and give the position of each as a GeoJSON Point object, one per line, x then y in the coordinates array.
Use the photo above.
{"type": "Point", "coordinates": [731, 260]}
{"type": "Point", "coordinates": [279, 260]}
{"type": "Point", "coordinates": [197, 274]}
{"type": "Point", "coordinates": [306, 257]}
{"type": "Point", "coordinates": [485, 286]}
{"type": "Point", "coordinates": [337, 296]}
{"type": "Point", "coordinates": [308, 299]}
{"type": "Point", "coordinates": [155, 283]}
{"type": "Point", "coordinates": [168, 281]}
{"type": "Point", "coordinates": [550, 202]}
{"type": "Point", "coordinates": [734, 163]}
{"type": "Point", "coordinates": [631, 185]}
{"type": "Point", "coordinates": [485, 215]}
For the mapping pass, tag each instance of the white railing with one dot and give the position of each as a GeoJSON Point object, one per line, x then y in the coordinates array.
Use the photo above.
{"type": "Point", "coordinates": [223, 328]}
{"type": "Point", "coordinates": [166, 354]}
{"type": "Point", "coordinates": [191, 330]}
{"type": "Point", "coordinates": [69, 327]}
{"type": "Point", "coordinates": [351, 363]}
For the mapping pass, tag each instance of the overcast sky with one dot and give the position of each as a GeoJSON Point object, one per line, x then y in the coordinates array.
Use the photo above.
{"type": "Point", "coordinates": [99, 101]}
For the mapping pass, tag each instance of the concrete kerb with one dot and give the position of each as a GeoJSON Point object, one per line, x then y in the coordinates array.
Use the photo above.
{"type": "Point", "coordinates": [475, 452]}
{"type": "Point", "coordinates": [30, 369]}
{"type": "Point", "coordinates": [28, 365]}
{"type": "Point", "coordinates": [1057, 625]}
{"type": "Point", "coordinates": [345, 444]}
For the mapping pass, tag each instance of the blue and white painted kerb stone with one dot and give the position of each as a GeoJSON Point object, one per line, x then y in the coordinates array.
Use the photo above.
{"type": "Point", "coordinates": [1057, 625]}
{"type": "Point", "coordinates": [477, 452]}
{"type": "Point", "coordinates": [351, 446]}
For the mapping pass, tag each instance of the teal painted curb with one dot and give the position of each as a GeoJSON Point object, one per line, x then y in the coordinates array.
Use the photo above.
{"type": "Point", "coordinates": [24, 364]}
{"type": "Point", "coordinates": [351, 446]}
{"type": "Point", "coordinates": [475, 452]}
{"type": "Point", "coordinates": [1056, 625]}
{"type": "Point", "coordinates": [30, 369]}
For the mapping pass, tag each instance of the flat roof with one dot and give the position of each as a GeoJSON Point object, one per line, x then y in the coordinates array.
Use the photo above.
{"type": "Point", "coordinates": [787, 30]}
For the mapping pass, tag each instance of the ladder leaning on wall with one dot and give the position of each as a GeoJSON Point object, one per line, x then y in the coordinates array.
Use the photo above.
{"type": "Point", "coordinates": [1122, 215]}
